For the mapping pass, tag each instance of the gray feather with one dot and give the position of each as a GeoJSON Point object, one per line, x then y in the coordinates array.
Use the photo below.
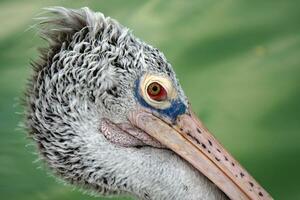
{"type": "Point", "coordinates": [87, 73]}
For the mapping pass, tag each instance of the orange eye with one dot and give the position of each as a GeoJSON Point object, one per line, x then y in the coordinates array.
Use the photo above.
{"type": "Point", "coordinates": [157, 92]}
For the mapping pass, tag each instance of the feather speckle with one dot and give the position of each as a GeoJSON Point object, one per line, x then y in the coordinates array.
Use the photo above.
{"type": "Point", "coordinates": [87, 73]}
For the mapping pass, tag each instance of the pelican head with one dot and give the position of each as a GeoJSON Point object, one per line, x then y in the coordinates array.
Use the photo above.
{"type": "Point", "coordinates": [108, 114]}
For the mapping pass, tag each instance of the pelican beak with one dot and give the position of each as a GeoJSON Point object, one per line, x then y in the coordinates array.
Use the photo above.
{"type": "Point", "coordinates": [188, 138]}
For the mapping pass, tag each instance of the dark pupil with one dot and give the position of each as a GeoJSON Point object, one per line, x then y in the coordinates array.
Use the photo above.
{"type": "Point", "coordinates": [154, 88]}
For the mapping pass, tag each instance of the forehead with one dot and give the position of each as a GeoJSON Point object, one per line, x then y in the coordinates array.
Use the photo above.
{"type": "Point", "coordinates": [156, 61]}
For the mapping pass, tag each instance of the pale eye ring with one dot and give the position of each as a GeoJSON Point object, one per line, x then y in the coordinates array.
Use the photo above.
{"type": "Point", "coordinates": [157, 91]}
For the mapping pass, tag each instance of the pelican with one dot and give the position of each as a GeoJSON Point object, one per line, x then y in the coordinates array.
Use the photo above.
{"type": "Point", "coordinates": [108, 115]}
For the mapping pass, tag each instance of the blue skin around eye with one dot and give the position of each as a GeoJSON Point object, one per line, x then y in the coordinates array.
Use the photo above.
{"type": "Point", "coordinates": [176, 108]}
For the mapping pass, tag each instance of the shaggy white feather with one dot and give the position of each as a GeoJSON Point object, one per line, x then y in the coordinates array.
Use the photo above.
{"type": "Point", "coordinates": [88, 73]}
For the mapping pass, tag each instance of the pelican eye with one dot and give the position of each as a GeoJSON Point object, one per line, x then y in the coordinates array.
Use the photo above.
{"type": "Point", "coordinates": [157, 92]}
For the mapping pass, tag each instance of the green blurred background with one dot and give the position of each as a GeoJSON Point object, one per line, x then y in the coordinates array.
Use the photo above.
{"type": "Point", "coordinates": [238, 61]}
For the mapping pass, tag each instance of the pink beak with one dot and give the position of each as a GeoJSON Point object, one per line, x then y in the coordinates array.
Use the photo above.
{"type": "Point", "coordinates": [188, 138]}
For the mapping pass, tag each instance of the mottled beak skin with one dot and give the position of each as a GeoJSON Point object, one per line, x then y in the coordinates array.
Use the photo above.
{"type": "Point", "coordinates": [188, 138]}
